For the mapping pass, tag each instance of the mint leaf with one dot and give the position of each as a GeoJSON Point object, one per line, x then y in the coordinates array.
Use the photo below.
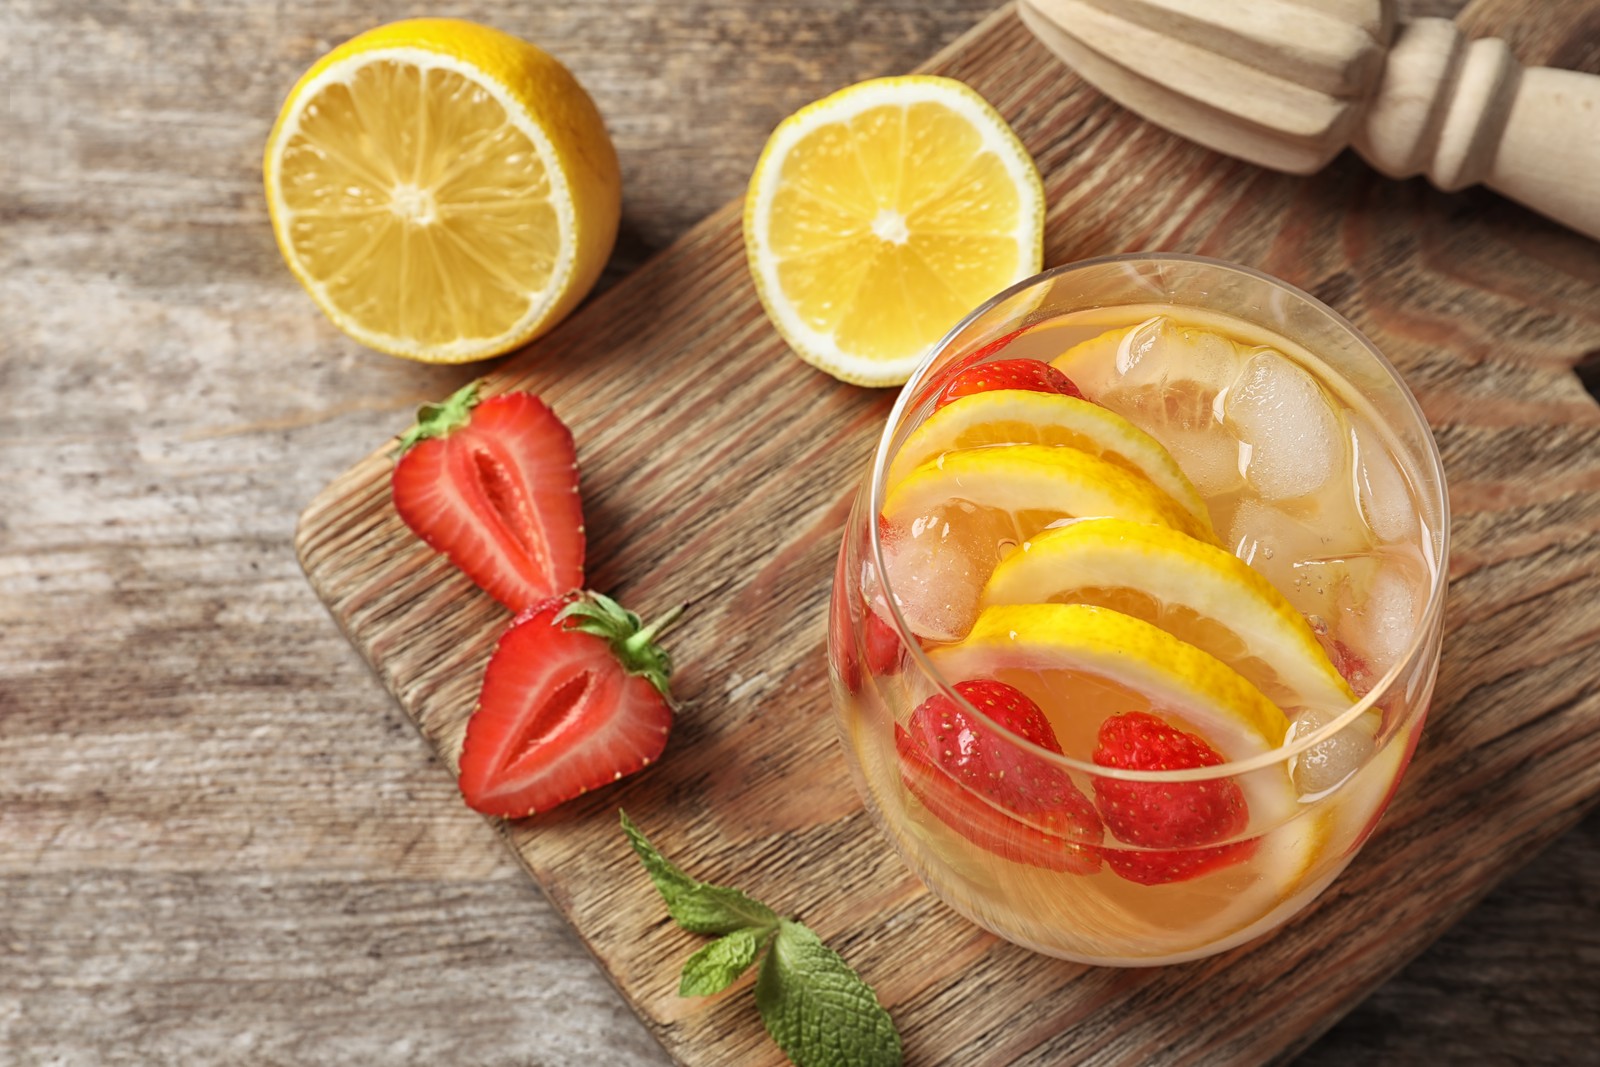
{"type": "Point", "coordinates": [710, 909]}
{"type": "Point", "coordinates": [696, 906]}
{"type": "Point", "coordinates": [716, 967]}
{"type": "Point", "coordinates": [669, 879]}
{"type": "Point", "coordinates": [818, 1010]}
{"type": "Point", "coordinates": [815, 1007]}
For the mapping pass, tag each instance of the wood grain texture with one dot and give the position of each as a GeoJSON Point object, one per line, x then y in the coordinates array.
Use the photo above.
{"type": "Point", "coordinates": [718, 470]}
{"type": "Point", "coordinates": [220, 842]}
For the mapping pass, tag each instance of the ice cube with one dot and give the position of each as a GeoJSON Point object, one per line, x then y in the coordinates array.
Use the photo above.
{"type": "Point", "coordinates": [1139, 359]}
{"type": "Point", "coordinates": [1385, 499]}
{"type": "Point", "coordinates": [1273, 542]}
{"type": "Point", "coordinates": [1328, 590]}
{"type": "Point", "coordinates": [1385, 620]}
{"type": "Point", "coordinates": [1171, 376]}
{"type": "Point", "coordinates": [1364, 608]}
{"type": "Point", "coordinates": [938, 563]}
{"type": "Point", "coordinates": [1209, 457]}
{"type": "Point", "coordinates": [1160, 350]}
{"type": "Point", "coordinates": [1329, 762]}
{"type": "Point", "coordinates": [1294, 444]}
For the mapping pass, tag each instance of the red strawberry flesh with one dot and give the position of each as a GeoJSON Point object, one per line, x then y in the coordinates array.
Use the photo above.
{"type": "Point", "coordinates": [996, 793]}
{"type": "Point", "coordinates": [939, 381]}
{"type": "Point", "coordinates": [882, 643]}
{"type": "Point", "coordinates": [1161, 868]}
{"type": "Point", "coordinates": [1176, 819]}
{"type": "Point", "coordinates": [558, 715]}
{"type": "Point", "coordinates": [494, 486]}
{"type": "Point", "coordinates": [1351, 666]}
{"type": "Point", "coordinates": [1030, 375]}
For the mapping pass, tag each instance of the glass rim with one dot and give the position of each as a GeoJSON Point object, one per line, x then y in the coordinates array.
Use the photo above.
{"type": "Point", "coordinates": [1284, 751]}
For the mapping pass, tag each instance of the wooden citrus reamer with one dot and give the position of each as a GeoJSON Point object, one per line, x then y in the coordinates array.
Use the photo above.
{"type": "Point", "coordinates": [1287, 84]}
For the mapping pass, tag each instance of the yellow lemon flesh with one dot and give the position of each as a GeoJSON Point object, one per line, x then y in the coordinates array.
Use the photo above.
{"type": "Point", "coordinates": [1033, 486]}
{"type": "Point", "coordinates": [1015, 416]}
{"type": "Point", "coordinates": [1092, 364]}
{"type": "Point", "coordinates": [881, 215]}
{"type": "Point", "coordinates": [1198, 593]}
{"type": "Point", "coordinates": [444, 191]}
{"type": "Point", "coordinates": [1029, 645]}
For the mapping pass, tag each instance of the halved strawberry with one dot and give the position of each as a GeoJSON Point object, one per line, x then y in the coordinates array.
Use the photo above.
{"type": "Point", "coordinates": [884, 653]}
{"type": "Point", "coordinates": [883, 649]}
{"type": "Point", "coordinates": [575, 697]}
{"type": "Point", "coordinates": [493, 484]}
{"type": "Point", "coordinates": [970, 776]}
{"type": "Point", "coordinates": [1175, 818]}
{"type": "Point", "coordinates": [938, 381]}
{"type": "Point", "coordinates": [1178, 865]}
{"type": "Point", "coordinates": [1031, 375]}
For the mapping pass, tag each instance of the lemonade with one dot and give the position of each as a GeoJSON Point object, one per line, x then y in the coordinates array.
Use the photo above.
{"type": "Point", "coordinates": [1129, 659]}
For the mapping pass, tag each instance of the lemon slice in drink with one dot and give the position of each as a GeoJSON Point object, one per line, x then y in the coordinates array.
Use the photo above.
{"type": "Point", "coordinates": [1092, 364]}
{"type": "Point", "coordinates": [1054, 649]}
{"type": "Point", "coordinates": [444, 191]}
{"type": "Point", "coordinates": [1198, 593]}
{"type": "Point", "coordinates": [1170, 378]}
{"type": "Point", "coordinates": [1015, 416]}
{"type": "Point", "coordinates": [879, 216]}
{"type": "Point", "coordinates": [1034, 486]}
{"type": "Point", "coordinates": [1081, 664]}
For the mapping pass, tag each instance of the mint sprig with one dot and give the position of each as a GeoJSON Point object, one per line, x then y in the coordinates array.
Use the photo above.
{"type": "Point", "coordinates": [816, 1008]}
{"type": "Point", "coordinates": [695, 906]}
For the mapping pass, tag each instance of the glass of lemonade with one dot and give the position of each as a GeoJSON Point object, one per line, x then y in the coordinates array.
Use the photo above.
{"type": "Point", "coordinates": [1129, 659]}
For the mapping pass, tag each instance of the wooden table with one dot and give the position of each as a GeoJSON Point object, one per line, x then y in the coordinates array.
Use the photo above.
{"type": "Point", "coordinates": [218, 840]}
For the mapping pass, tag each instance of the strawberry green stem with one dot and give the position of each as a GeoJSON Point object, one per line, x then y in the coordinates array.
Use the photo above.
{"type": "Point", "coordinates": [633, 643]}
{"type": "Point", "coordinates": [648, 635]}
{"type": "Point", "coordinates": [441, 420]}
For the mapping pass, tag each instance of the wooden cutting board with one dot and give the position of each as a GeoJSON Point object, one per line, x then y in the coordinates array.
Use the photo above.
{"type": "Point", "coordinates": [718, 469]}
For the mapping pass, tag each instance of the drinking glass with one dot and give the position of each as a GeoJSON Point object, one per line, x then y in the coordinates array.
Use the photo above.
{"type": "Point", "coordinates": [1044, 884]}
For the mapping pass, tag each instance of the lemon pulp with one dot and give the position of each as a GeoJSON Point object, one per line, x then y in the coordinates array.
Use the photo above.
{"type": "Point", "coordinates": [879, 216]}
{"type": "Point", "coordinates": [443, 191]}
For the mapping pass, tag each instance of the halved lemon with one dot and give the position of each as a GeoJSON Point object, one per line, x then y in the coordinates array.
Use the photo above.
{"type": "Point", "coordinates": [1035, 486]}
{"type": "Point", "coordinates": [879, 216]}
{"type": "Point", "coordinates": [1198, 593]}
{"type": "Point", "coordinates": [444, 191]}
{"type": "Point", "coordinates": [1015, 416]}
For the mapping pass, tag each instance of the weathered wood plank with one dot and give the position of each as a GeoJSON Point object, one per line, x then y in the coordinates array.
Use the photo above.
{"type": "Point", "coordinates": [1475, 997]}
